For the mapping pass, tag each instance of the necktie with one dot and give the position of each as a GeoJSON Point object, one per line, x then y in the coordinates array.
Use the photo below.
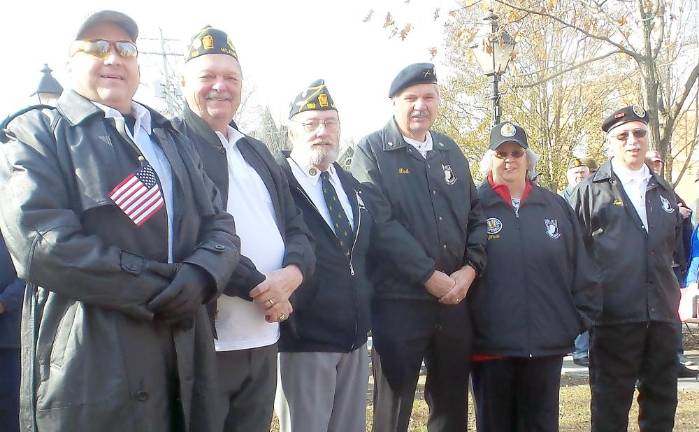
{"type": "Point", "coordinates": [341, 225]}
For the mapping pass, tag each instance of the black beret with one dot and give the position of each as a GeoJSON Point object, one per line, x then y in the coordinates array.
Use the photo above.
{"type": "Point", "coordinates": [625, 115]}
{"type": "Point", "coordinates": [417, 73]}
{"type": "Point", "coordinates": [315, 98]}
{"type": "Point", "coordinates": [120, 19]}
{"type": "Point", "coordinates": [575, 163]}
{"type": "Point", "coordinates": [210, 41]}
{"type": "Point", "coordinates": [507, 132]}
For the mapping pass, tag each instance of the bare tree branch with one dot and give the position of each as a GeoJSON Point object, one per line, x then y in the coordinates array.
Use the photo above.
{"type": "Point", "coordinates": [566, 70]}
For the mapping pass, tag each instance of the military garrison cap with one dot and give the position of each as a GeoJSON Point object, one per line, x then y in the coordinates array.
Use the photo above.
{"type": "Point", "coordinates": [315, 98]}
{"type": "Point", "coordinates": [210, 41]}
{"type": "Point", "coordinates": [417, 73]}
{"type": "Point", "coordinates": [576, 163]}
{"type": "Point", "coordinates": [507, 132]}
{"type": "Point", "coordinates": [625, 115]}
{"type": "Point", "coordinates": [120, 19]}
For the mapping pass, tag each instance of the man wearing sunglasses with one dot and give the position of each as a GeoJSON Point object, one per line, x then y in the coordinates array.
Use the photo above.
{"type": "Point", "coordinates": [121, 238]}
{"type": "Point", "coordinates": [631, 226]}
{"type": "Point", "coordinates": [421, 179]}
{"type": "Point", "coordinates": [276, 252]}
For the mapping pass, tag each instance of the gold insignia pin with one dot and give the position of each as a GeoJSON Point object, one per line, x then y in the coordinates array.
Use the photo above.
{"type": "Point", "coordinates": [639, 111]}
{"type": "Point", "coordinates": [323, 100]}
{"type": "Point", "coordinates": [207, 41]}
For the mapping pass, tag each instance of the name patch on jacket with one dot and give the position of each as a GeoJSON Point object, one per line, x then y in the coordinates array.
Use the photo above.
{"type": "Point", "coordinates": [139, 195]}
{"type": "Point", "coordinates": [494, 228]}
{"type": "Point", "coordinates": [552, 228]}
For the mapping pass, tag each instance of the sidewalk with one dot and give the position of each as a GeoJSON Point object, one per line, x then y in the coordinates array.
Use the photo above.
{"type": "Point", "coordinates": [572, 370]}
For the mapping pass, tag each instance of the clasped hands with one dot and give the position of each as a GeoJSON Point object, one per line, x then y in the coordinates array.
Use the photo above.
{"type": "Point", "coordinates": [272, 294]}
{"type": "Point", "coordinates": [451, 289]}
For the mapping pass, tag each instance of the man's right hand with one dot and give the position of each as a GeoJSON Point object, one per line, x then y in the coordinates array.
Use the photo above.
{"type": "Point", "coordinates": [439, 284]}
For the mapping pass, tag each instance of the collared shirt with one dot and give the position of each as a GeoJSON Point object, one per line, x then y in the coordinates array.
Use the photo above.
{"type": "Point", "coordinates": [309, 179]}
{"type": "Point", "coordinates": [635, 184]}
{"type": "Point", "coordinates": [422, 146]}
{"type": "Point", "coordinates": [241, 324]}
{"type": "Point", "coordinates": [155, 157]}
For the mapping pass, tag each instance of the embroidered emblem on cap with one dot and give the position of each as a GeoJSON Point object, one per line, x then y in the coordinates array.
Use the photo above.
{"type": "Point", "coordinates": [323, 100]}
{"type": "Point", "coordinates": [449, 176]}
{"type": "Point", "coordinates": [639, 111]}
{"type": "Point", "coordinates": [207, 41]}
{"type": "Point", "coordinates": [666, 205]}
{"type": "Point", "coordinates": [552, 228]}
{"type": "Point", "coordinates": [508, 130]}
{"type": "Point", "coordinates": [494, 225]}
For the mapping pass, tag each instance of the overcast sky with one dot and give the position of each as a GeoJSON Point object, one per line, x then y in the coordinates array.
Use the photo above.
{"type": "Point", "coordinates": [282, 45]}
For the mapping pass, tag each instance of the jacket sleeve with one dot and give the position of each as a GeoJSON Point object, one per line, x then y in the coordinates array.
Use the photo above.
{"type": "Point", "coordinates": [46, 239]}
{"type": "Point", "coordinates": [586, 288]}
{"type": "Point", "coordinates": [13, 294]}
{"type": "Point", "coordinates": [218, 249]}
{"type": "Point", "coordinates": [477, 235]}
{"type": "Point", "coordinates": [693, 271]}
{"type": "Point", "coordinates": [390, 239]}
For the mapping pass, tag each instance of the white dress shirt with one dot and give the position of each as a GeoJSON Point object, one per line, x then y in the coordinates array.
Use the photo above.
{"type": "Point", "coordinates": [635, 183]}
{"type": "Point", "coordinates": [241, 324]}
{"type": "Point", "coordinates": [154, 156]}
{"type": "Point", "coordinates": [309, 179]}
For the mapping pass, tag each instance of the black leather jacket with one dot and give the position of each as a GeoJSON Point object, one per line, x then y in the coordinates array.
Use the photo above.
{"type": "Point", "coordinates": [638, 283]}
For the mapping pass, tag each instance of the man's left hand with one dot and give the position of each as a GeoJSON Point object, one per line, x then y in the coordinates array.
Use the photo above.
{"type": "Point", "coordinates": [277, 287]}
{"type": "Point", "coordinates": [685, 212]}
{"type": "Point", "coordinates": [464, 277]}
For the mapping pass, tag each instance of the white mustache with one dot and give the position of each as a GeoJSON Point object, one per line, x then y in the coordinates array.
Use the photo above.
{"type": "Point", "coordinates": [419, 114]}
{"type": "Point", "coordinates": [218, 96]}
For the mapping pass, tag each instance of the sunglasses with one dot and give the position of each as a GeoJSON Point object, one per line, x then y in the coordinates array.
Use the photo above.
{"type": "Point", "coordinates": [100, 48]}
{"type": "Point", "coordinates": [514, 154]}
{"type": "Point", "coordinates": [637, 133]}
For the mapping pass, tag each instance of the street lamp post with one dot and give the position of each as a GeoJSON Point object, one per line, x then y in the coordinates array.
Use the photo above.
{"type": "Point", "coordinates": [493, 52]}
{"type": "Point", "coordinates": [49, 89]}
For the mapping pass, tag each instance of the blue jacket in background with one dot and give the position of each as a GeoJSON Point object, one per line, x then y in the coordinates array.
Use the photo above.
{"type": "Point", "coordinates": [11, 296]}
{"type": "Point", "coordinates": [693, 271]}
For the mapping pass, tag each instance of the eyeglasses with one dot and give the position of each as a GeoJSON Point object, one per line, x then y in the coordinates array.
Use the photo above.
{"type": "Point", "coordinates": [637, 133]}
{"type": "Point", "coordinates": [514, 154]}
{"type": "Point", "coordinates": [309, 126]}
{"type": "Point", "coordinates": [100, 48]}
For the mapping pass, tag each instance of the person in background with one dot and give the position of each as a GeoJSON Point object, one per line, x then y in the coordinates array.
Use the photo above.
{"type": "Point", "coordinates": [525, 320]}
{"type": "Point", "coordinates": [679, 265]}
{"type": "Point", "coordinates": [11, 296]}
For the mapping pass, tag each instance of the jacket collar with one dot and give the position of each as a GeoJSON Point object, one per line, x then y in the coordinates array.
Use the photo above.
{"type": "Point", "coordinates": [605, 173]}
{"type": "Point", "coordinates": [77, 108]}
{"type": "Point", "coordinates": [394, 138]}
{"type": "Point", "coordinates": [489, 196]}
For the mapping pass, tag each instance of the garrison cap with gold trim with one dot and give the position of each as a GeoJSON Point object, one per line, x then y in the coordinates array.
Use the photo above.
{"type": "Point", "coordinates": [416, 73]}
{"type": "Point", "coordinates": [315, 98]}
{"type": "Point", "coordinates": [507, 132]}
{"type": "Point", "coordinates": [625, 115]}
{"type": "Point", "coordinates": [210, 41]}
{"type": "Point", "coordinates": [576, 163]}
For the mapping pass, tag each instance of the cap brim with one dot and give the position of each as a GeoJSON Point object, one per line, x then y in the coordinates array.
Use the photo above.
{"type": "Point", "coordinates": [120, 19]}
{"type": "Point", "coordinates": [496, 144]}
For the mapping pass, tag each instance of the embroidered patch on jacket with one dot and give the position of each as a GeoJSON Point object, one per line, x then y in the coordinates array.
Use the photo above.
{"type": "Point", "coordinates": [552, 228]}
{"type": "Point", "coordinates": [494, 225]}
{"type": "Point", "coordinates": [449, 176]}
{"type": "Point", "coordinates": [403, 170]}
{"type": "Point", "coordinates": [666, 205]}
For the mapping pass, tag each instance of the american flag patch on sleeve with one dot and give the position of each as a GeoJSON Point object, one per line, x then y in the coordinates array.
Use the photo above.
{"type": "Point", "coordinates": [139, 195]}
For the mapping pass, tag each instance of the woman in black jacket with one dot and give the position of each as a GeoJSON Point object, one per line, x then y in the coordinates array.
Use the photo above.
{"type": "Point", "coordinates": [537, 293]}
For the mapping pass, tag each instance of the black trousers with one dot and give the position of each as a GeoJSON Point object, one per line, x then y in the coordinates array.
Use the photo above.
{"type": "Point", "coordinates": [404, 333]}
{"type": "Point", "coordinates": [619, 356]}
{"type": "Point", "coordinates": [517, 394]}
{"type": "Point", "coordinates": [9, 389]}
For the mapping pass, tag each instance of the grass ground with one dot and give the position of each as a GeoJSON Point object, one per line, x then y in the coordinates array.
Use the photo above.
{"type": "Point", "coordinates": [574, 412]}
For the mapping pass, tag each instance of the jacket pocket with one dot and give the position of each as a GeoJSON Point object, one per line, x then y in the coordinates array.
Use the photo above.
{"type": "Point", "coordinates": [63, 337]}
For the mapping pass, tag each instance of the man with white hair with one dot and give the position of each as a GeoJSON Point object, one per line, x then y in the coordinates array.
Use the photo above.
{"type": "Point", "coordinates": [577, 171]}
{"type": "Point", "coordinates": [276, 254]}
{"type": "Point", "coordinates": [631, 226]}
